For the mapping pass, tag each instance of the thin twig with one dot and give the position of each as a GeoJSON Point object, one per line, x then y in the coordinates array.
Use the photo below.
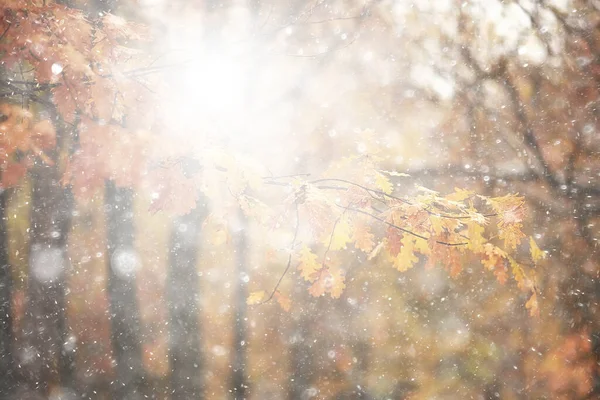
{"type": "Point", "coordinates": [403, 229]}
{"type": "Point", "coordinates": [331, 238]}
{"type": "Point", "coordinates": [289, 263]}
{"type": "Point", "coordinates": [5, 31]}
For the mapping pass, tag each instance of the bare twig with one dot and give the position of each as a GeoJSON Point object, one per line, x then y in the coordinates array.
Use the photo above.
{"type": "Point", "coordinates": [289, 262]}
{"type": "Point", "coordinates": [405, 230]}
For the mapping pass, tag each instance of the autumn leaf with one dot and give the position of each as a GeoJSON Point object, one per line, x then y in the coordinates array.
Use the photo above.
{"type": "Point", "coordinates": [454, 265]}
{"type": "Point", "coordinates": [512, 235]}
{"type": "Point", "coordinates": [308, 264]}
{"type": "Point", "coordinates": [494, 259]}
{"type": "Point", "coordinates": [338, 282]}
{"type": "Point", "coordinates": [318, 289]}
{"type": "Point", "coordinates": [362, 237]}
{"type": "Point", "coordinates": [437, 226]}
{"type": "Point", "coordinates": [459, 194]}
{"type": "Point", "coordinates": [255, 297]}
{"type": "Point", "coordinates": [284, 301]}
{"type": "Point", "coordinates": [532, 305]}
{"type": "Point", "coordinates": [476, 240]}
{"type": "Point", "coordinates": [406, 258]}
{"type": "Point", "coordinates": [320, 215]}
{"type": "Point", "coordinates": [329, 280]}
{"type": "Point", "coordinates": [536, 253]}
{"type": "Point", "coordinates": [394, 173]}
{"type": "Point", "coordinates": [394, 241]}
{"type": "Point", "coordinates": [383, 183]}
{"type": "Point", "coordinates": [340, 235]}
{"type": "Point", "coordinates": [375, 252]}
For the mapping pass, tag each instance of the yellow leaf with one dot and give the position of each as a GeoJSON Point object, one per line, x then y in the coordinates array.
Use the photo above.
{"type": "Point", "coordinates": [518, 273]}
{"type": "Point", "coordinates": [383, 183]}
{"type": "Point", "coordinates": [394, 173]}
{"type": "Point", "coordinates": [284, 302]}
{"type": "Point", "coordinates": [341, 234]}
{"type": "Point", "coordinates": [318, 289]}
{"type": "Point", "coordinates": [406, 259]}
{"type": "Point", "coordinates": [308, 264]}
{"type": "Point", "coordinates": [494, 260]}
{"type": "Point", "coordinates": [532, 305]}
{"type": "Point", "coordinates": [476, 239]}
{"type": "Point", "coordinates": [436, 224]}
{"type": "Point", "coordinates": [338, 282]}
{"type": "Point", "coordinates": [375, 252]}
{"type": "Point", "coordinates": [511, 234]}
{"type": "Point", "coordinates": [459, 195]}
{"type": "Point", "coordinates": [422, 247]}
{"type": "Point", "coordinates": [329, 280]}
{"type": "Point", "coordinates": [536, 253]}
{"type": "Point", "coordinates": [255, 297]}
{"type": "Point", "coordinates": [362, 237]}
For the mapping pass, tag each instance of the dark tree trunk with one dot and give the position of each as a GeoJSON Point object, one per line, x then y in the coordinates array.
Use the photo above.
{"type": "Point", "coordinates": [301, 360]}
{"type": "Point", "coordinates": [48, 356]}
{"type": "Point", "coordinates": [123, 262]}
{"type": "Point", "coordinates": [6, 326]}
{"type": "Point", "coordinates": [182, 292]}
{"type": "Point", "coordinates": [239, 382]}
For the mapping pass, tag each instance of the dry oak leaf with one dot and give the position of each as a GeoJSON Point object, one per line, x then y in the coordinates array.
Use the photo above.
{"type": "Point", "coordinates": [494, 259]}
{"type": "Point", "coordinates": [255, 297]}
{"type": "Point", "coordinates": [362, 237]}
{"type": "Point", "coordinates": [340, 235]}
{"type": "Point", "coordinates": [329, 280]}
{"type": "Point", "coordinates": [383, 183]}
{"type": "Point", "coordinates": [284, 301]}
{"type": "Point", "coordinates": [308, 264]}
{"type": "Point", "coordinates": [406, 258]}
{"type": "Point", "coordinates": [532, 305]}
{"type": "Point", "coordinates": [536, 253]}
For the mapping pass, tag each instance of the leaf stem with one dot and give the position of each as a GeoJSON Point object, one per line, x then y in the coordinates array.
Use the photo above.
{"type": "Point", "coordinates": [289, 262]}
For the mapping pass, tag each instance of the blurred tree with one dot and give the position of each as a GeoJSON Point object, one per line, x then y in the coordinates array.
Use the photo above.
{"type": "Point", "coordinates": [123, 263]}
{"type": "Point", "coordinates": [183, 296]}
{"type": "Point", "coordinates": [7, 340]}
{"type": "Point", "coordinates": [48, 362]}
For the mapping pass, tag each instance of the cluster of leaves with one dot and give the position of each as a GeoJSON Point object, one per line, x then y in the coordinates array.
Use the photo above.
{"type": "Point", "coordinates": [22, 140]}
{"type": "Point", "coordinates": [88, 68]}
{"type": "Point", "coordinates": [449, 231]}
{"type": "Point", "coordinates": [91, 70]}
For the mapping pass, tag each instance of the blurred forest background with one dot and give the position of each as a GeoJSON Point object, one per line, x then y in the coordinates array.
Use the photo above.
{"type": "Point", "coordinates": [493, 96]}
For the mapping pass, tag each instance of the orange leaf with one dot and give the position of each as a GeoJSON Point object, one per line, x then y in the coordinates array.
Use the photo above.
{"type": "Point", "coordinates": [362, 237]}
{"type": "Point", "coordinates": [532, 305]}
{"type": "Point", "coordinates": [329, 280]}
{"type": "Point", "coordinates": [255, 297]}
{"type": "Point", "coordinates": [284, 301]}
{"type": "Point", "coordinates": [406, 256]}
{"type": "Point", "coordinates": [308, 264]}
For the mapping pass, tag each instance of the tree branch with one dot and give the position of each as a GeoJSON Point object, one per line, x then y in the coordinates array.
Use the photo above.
{"type": "Point", "coordinates": [289, 262]}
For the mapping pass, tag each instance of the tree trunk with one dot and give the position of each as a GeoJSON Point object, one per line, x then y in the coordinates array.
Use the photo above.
{"type": "Point", "coordinates": [301, 360]}
{"type": "Point", "coordinates": [239, 382]}
{"type": "Point", "coordinates": [123, 263]}
{"type": "Point", "coordinates": [182, 292]}
{"type": "Point", "coordinates": [48, 354]}
{"type": "Point", "coordinates": [6, 326]}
